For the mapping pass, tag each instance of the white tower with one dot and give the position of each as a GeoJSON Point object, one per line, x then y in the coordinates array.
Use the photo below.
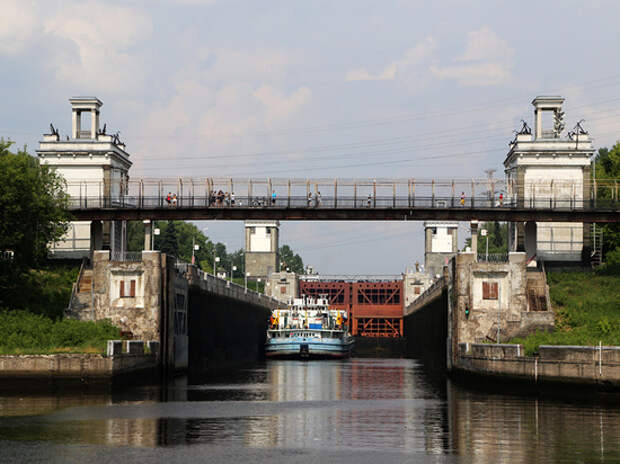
{"type": "Point", "coordinates": [95, 166]}
{"type": "Point", "coordinates": [548, 169]}
{"type": "Point", "coordinates": [262, 257]}
{"type": "Point", "coordinates": [440, 244]}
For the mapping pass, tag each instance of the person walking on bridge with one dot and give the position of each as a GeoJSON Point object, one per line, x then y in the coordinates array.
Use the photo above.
{"type": "Point", "coordinates": [462, 198]}
{"type": "Point", "coordinates": [273, 198]}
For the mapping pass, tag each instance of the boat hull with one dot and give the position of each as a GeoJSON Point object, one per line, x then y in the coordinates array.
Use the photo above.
{"type": "Point", "coordinates": [309, 348]}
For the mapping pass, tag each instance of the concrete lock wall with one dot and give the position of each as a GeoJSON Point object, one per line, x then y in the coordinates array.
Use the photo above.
{"type": "Point", "coordinates": [223, 331]}
{"type": "Point", "coordinates": [584, 365]}
{"type": "Point", "coordinates": [426, 331]}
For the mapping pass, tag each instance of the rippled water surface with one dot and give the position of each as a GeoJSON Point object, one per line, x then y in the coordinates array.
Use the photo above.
{"type": "Point", "coordinates": [354, 411]}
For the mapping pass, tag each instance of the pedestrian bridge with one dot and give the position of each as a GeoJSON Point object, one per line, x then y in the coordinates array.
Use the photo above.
{"type": "Point", "coordinates": [345, 199]}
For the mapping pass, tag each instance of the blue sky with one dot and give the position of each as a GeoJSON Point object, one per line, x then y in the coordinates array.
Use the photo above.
{"type": "Point", "coordinates": [311, 88]}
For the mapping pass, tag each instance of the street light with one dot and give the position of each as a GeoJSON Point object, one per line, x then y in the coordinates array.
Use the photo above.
{"type": "Point", "coordinates": [257, 281]}
{"type": "Point", "coordinates": [483, 232]}
{"type": "Point", "coordinates": [247, 274]}
{"type": "Point", "coordinates": [194, 249]}
{"type": "Point", "coordinates": [216, 259]}
{"type": "Point", "coordinates": [232, 269]}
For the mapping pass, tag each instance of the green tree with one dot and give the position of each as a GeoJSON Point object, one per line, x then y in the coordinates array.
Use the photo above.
{"type": "Point", "coordinates": [33, 206]}
{"type": "Point", "coordinates": [497, 235]}
{"type": "Point", "coordinates": [607, 166]}
{"type": "Point", "coordinates": [291, 260]}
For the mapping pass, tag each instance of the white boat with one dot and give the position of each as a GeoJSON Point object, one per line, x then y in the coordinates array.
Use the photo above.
{"type": "Point", "coordinates": [308, 329]}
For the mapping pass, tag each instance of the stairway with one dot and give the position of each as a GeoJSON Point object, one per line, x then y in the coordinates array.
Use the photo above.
{"type": "Point", "coordinates": [80, 305]}
{"type": "Point", "coordinates": [537, 292]}
{"type": "Point", "coordinates": [85, 281]}
{"type": "Point", "coordinates": [597, 245]}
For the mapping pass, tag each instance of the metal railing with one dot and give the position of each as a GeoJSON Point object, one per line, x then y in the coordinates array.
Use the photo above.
{"type": "Point", "coordinates": [126, 256]}
{"type": "Point", "coordinates": [343, 194]}
{"type": "Point", "coordinates": [493, 257]}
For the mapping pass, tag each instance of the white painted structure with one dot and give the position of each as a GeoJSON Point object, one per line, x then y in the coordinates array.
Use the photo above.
{"type": "Point", "coordinates": [261, 248]}
{"type": "Point", "coordinates": [95, 165]}
{"type": "Point", "coordinates": [440, 244]}
{"type": "Point", "coordinates": [553, 169]}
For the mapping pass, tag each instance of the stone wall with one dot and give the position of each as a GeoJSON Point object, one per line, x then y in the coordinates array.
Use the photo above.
{"type": "Point", "coordinates": [584, 365]}
{"type": "Point", "coordinates": [139, 311]}
{"type": "Point", "coordinates": [509, 309]}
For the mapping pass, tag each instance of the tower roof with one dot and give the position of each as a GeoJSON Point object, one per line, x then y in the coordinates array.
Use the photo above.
{"type": "Point", "coordinates": [85, 102]}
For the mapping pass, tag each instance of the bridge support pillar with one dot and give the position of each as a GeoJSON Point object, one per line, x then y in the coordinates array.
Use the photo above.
{"type": "Point", "coordinates": [96, 236]}
{"type": "Point", "coordinates": [474, 238]}
{"type": "Point", "coordinates": [148, 234]}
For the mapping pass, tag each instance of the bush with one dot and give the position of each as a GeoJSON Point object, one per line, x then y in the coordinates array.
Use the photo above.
{"type": "Point", "coordinates": [24, 332]}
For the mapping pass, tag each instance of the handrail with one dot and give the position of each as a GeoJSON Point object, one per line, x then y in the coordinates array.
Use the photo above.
{"type": "Point", "coordinates": [76, 285]}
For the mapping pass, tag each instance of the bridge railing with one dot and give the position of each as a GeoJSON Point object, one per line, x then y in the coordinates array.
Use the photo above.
{"type": "Point", "coordinates": [481, 202]}
{"type": "Point", "coordinates": [342, 193]}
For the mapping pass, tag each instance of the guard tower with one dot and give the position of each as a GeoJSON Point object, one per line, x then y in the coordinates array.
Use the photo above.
{"type": "Point", "coordinates": [261, 248]}
{"type": "Point", "coordinates": [440, 244]}
{"type": "Point", "coordinates": [549, 168]}
{"type": "Point", "coordinates": [95, 166]}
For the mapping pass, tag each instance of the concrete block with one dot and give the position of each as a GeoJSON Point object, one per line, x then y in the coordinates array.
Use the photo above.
{"type": "Point", "coordinates": [115, 348]}
{"type": "Point", "coordinates": [135, 347]}
{"type": "Point", "coordinates": [153, 347]}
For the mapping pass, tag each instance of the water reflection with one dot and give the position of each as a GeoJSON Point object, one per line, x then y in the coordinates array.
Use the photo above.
{"type": "Point", "coordinates": [356, 407]}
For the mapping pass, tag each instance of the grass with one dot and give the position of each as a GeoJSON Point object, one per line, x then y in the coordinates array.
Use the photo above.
{"type": "Point", "coordinates": [22, 332]}
{"type": "Point", "coordinates": [587, 311]}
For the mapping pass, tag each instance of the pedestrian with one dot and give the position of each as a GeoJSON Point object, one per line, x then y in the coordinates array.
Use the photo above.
{"type": "Point", "coordinates": [169, 198]}
{"type": "Point", "coordinates": [462, 198]}
{"type": "Point", "coordinates": [318, 198]}
{"type": "Point", "coordinates": [309, 199]}
{"type": "Point", "coordinates": [232, 198]}
{"type": "Point", "coordinates": [501, 199]}
{"type": "Point", "coordinates": [273, 198]}
{"type": "Point", "coordinates": [369, 200]}
{"type": "Point", "coordinates": [174, 199]}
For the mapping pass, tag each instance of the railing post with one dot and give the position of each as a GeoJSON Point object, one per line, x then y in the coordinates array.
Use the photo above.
{"type": "Point", "coordinates": [249, 193]}
{"type": "Point", "coordinates": [160, 194]}
{"type": "Point", "coordinates": [354, 194]}
{"type": "Point", "coordinates": [452, 201]}
{"type": "Point", "coordinates": [433, 193]}
{"type": "Point", "coordinates": [551, 197]}
{"type": "Point", "coordinates": [335, 193]}
{"type": "Point", "coordinates": [473, 192]}
{"type": "Point", "coordinates": [408, 193]}
{"type": "Point", "coordinates": [413, 193]}
{"type": "Point", "coordinates": [289, 194]}
{"type": "Point", "coordinates": [374, 192]}
{"type": "Point", "coordinates": [309, 203]}
{"type": "Point", "coordinates": [394, 195]}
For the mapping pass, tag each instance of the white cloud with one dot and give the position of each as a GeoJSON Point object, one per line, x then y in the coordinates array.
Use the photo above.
{"type": "Point", "coordinates": [17, 25]}
{"type": "Point", "coordinates": [402, 68]}
{"type": "Point", "coordinates": [101, 36]}
{"type": "Point", "coordinates": [487, 60]}
{"type": "Point", "coordinates": [219, 99]}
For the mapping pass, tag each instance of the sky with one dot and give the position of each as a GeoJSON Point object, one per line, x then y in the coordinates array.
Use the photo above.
{"type": "Point", "coordinates": [331, 89]}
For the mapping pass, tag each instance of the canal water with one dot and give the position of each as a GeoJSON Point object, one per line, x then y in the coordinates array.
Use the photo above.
{"type": "Point", "coordinates": [355, 411]}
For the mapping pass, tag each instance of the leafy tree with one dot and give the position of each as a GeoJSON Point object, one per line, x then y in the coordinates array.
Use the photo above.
{"type": "Point", "coordinates": [607, 166]}
{"type": "Point", "coordinates": [291, 260]}
{"type": "Point", "coordinates": [168, 240]}
{"type": "Point", "coordinates": [33, 206]}
{"type": "Point", "coordinates": [497, 236]}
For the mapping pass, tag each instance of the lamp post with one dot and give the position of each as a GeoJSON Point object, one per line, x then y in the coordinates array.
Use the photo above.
{"type": "Point", "coordinates": [194, 249]}
{"type": "Point", "coordinates": [483, 232]}
{"type": "Point", "coordinates": [216, 259]}
{"type": "Point", "coordinates": [247, 274]}
{"type": "Point", "coordinates": [257, 281]}
{"type": "Point", "coordinates": [232, 269]}
{"type": "Point", "coordinates": [156, 231]}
